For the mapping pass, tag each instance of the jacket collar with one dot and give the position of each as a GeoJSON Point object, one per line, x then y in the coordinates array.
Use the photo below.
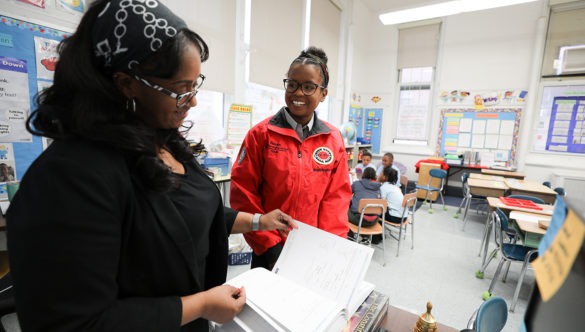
{"type": "Point", "coordinates": [279, 120]}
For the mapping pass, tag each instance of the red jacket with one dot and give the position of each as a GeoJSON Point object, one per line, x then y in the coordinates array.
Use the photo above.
{"type": "Point", "coordinates": [309, 180]}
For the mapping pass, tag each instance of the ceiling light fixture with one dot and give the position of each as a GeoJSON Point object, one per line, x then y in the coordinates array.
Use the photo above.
{"type": "Point", "coordinates": [444, 9]}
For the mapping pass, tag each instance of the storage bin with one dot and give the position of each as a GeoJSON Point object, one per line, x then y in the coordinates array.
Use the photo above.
{"type": "Point", "coordinates": [221, 163]}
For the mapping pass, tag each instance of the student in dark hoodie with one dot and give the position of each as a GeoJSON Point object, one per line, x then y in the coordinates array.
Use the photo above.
{"type": "Point", "coordinates": [366, 187]}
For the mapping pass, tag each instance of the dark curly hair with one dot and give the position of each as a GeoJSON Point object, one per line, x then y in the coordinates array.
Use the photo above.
{"type": "Point", "coordinates": [83, 102]}
{"type": "Point", "coordinates": [316, 56]}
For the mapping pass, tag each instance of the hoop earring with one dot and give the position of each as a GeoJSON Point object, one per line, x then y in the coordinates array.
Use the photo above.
{"type": "Point", "coordinates": [133, 109]}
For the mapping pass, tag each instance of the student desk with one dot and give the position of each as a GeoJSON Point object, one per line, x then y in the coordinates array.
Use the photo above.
{"type": "Point", "coordinates": [531, 188]}
{"type": "Point", "coordinates": [506, 174]}
{"type": "Point", "coordinates": [488, 177]}
{"type": "Point", "coordinates": [495, 202]}
{"type": "Point", "coordinates": [527, 225]}
{"type": "Point", "coordinates": [400, 320]}
{"type": "Point", "coordinates": [488, 188]}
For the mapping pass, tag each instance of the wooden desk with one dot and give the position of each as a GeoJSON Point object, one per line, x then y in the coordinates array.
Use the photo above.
{"type": "Point", "coordinates": [482, 176]}
{"type": "Point", "coordinates": [506, 174]}
{"type": "Point", "coordinates": [528, 226]}
{"type": "Point", "coordinates": [457, 169]}
{"type": "Point", "coordinates": [400, 320]}
{"type": "Point", "coordinates": [495, 202]}
{"type": "Point", "coordinates": [488, 188]}
{"type": "Point", "coordinates": [531, 188]}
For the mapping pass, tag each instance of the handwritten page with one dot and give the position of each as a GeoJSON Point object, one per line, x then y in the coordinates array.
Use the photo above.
{"type": "Point", "coordinates": [325, 263]}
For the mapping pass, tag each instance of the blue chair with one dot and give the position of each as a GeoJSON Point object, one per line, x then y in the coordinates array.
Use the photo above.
{"type": "Point", "coordinates": [528, 198]}
{"type": "Point", "coordinates": [491, 316]}
{"type": "Point", "coordinates": [561, 191]}
{"type": "Point", "coordinates": [547, 183]}
{"type": "Point", "coordinates": [434, 173]}
{"type": "Point", "coordinates": [510, 252]}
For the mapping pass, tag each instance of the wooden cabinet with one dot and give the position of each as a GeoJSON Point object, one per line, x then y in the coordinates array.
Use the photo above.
{"type": "Point", "coordinates": [353, 153]}
{"type": "Point", "coordinates": [423, 180]}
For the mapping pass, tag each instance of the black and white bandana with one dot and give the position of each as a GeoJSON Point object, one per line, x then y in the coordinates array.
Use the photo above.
{"type": "Point", "coordinates": [127, 32]}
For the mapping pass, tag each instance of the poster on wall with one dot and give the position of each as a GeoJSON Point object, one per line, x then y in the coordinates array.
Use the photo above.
{"type": "Point", "coordinates": [368, 123]}
{"type": "Point", "coordinates": [14, 100]}
{"type": "Point", "coordinates": [46, 57]}
{"type": "Point", "coordinates": [77, 6]}
{"type": "Point", "coordinates": [566, 130]}
{"type": "Point", "coordinates": [239, 121]}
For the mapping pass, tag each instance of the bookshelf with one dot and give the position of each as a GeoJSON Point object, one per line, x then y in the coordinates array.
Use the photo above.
{"type": "Point", "coordinates": [353, 152]}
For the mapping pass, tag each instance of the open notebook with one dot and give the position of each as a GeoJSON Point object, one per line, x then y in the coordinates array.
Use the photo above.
{"type": "Point", "coordinates": [316, 285]}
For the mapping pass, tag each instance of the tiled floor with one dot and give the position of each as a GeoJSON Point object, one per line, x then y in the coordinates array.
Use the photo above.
{"type": "Point", "coordinates": [441, 269]}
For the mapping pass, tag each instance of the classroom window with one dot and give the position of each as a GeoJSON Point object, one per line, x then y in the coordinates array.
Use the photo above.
{"type": "Point", "coordinates": [304, 23]}
{"type": "Point", "coordinates": [417, 57]}
{"type": "Point", "coordinates": [564, 52]}
{"type": "Point", "coordinates": [413, 105]}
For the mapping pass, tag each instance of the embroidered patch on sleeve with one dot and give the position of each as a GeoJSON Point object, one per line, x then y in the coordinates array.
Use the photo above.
{"type": "Point", "coordinates": [242, 155]}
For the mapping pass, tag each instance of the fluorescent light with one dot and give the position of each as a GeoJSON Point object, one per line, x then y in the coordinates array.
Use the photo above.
{"type": "Point", "coordinates": [444, 9]}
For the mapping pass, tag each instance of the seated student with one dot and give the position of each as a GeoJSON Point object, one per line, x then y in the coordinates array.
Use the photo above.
{"type": "Point", "coordinates": [367, 187]}
{"type": "Point", "coordinates": [392, 194]}
{"type": "Point", "coordinates": [388, 160]}
{"type": "Point", "coordinates": [366, 163]}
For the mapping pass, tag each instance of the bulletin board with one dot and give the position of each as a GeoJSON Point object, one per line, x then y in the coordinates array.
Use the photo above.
{"type": "Point", "coordinates": [368, 122]}
{"type": "Point", "coordinates": [561, 126]}
{"type": "Point", "coordinates": [486, 130]}
{"type": "Point", "coordinates": [27, 62]}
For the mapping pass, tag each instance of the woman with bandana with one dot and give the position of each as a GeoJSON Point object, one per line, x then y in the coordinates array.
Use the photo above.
{"type": "Point", "coordinates": [294, 161]}
{"type": "Point", "coordinates": [115, 226]}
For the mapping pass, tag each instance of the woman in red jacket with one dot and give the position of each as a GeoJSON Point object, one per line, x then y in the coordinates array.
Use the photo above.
{"type": "Point", "coordinates": [294, 161]}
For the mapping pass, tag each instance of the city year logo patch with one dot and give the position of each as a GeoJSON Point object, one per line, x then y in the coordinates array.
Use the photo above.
{"type": "Point", "coordinates": [323, 155]}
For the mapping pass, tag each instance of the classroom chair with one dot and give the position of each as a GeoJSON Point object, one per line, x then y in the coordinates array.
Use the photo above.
{"type": "Point", "coordinates": [491, 316]}
{"type": "Point", "coordinates": [561, 191]}
{"type": "Point", "coordinates": [509, 252]}
{"type": "Point", "coordinates": [376, 206]}
{"type": "Point", "coordinates": [409, 207]}
{"type": "Point", "coordinates": [547, 183]}
{"type": "Point", "coordinates": [468, 197]}
{"type": "Point", "coordinates": [434, 173]}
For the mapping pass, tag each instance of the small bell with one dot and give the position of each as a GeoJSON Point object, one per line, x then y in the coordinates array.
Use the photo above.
{"type": "Point", "coordinates": [426, 322]}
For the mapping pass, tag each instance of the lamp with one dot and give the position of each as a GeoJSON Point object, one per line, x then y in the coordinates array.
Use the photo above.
{"type": "Point", "coordinates": [444, 9]}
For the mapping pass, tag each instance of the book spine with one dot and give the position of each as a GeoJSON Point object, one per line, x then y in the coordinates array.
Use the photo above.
{"type": "Point", "coordinates": [371, 319]}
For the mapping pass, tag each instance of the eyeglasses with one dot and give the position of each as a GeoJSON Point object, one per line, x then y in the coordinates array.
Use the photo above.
{"type": "Point", "coordinates": [308, 88]}
{"type": "Point", "coordinates": [183, 98]}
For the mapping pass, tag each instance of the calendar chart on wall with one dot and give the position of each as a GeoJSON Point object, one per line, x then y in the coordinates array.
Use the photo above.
{"type": "Point", "coordinates": [493, 133]}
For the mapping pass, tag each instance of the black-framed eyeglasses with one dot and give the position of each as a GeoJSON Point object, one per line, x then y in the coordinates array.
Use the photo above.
{"type": "Point", "coordinates": [183, 98]}
{"type": "Point", "coordinates": [308, 88]}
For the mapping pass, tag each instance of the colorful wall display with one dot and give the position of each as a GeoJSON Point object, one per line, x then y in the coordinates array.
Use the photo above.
{"type": "Point", "coordinates": [487, 130]}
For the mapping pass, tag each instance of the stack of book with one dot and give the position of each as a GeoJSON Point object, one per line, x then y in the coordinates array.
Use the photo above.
{"type": "Point", "coordinates": [370, 314]}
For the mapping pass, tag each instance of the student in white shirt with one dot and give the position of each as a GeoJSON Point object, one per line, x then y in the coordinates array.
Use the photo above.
{"type": "Point", "coordinates": [392, 194]}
